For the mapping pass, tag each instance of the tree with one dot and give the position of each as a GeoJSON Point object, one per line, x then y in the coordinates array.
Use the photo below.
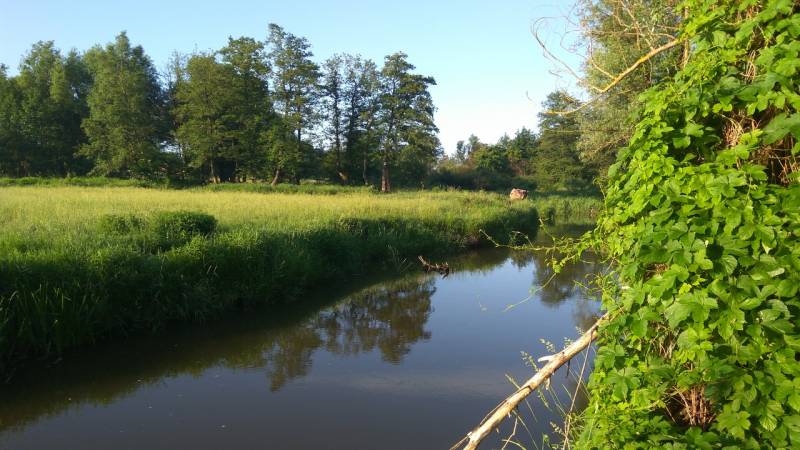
{"type": "Point", "coordinates": [11, 139]}
{"type": "Point", "coordinates": [617, 33]}
{"type": "Point", "coordinates": [206, 113]}
{"type": "Point", "coordinates": [253, 110]}
{"type": "Point", "coordinates": [332, 107]}
{"type": "Point", "coordinates": [52, 104]}
{"type": "Point", "coordinates": [520, 151]}
{"type": "Point", "coordinates": [406, 116]}
{"type": "Point", "coordinates": [294, 81]}
{"type": "Point", "coordinates": [557, 162]}
{"type": "Point", "coordinates": [461, 152]}
{"type": "Point", "coordinates": [362, 91]}
{"type": "Point", "coordinates": [126, 122]}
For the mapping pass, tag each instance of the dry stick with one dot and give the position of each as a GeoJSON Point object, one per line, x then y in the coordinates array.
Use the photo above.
{"type": "Point", "coordinates": [600, 91]}
{"type": "Point", "coordinates": [475, 436]}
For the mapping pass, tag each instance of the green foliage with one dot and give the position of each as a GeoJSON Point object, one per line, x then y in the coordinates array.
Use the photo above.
{"type": "Point", "coordinates": [40, 113]}
{"type": "Point", "coordinates": [702, 222]}
{"type": "Point", "coordinates": [78, 181]}
{"type": "Point", "coordinates": [617, 33]}
{"type": "Point", "coordinates": [406, 120]}
{"type": "Point", "coordinates": [125, 123]}
{"type": "Point", "coordinates": [120, 223]}
{"type": "Point", "coordinates": [183, 223]}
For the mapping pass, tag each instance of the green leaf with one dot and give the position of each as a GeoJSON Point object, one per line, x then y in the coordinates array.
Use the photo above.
{"type": "Point", "coordinates": [734, 422]}
{"type": "Point", "coordinates": [787, 288]}
{"type": "Point", "coordinates": [729, 263]}
{"type": "Point", "coordinates": [780, 126]}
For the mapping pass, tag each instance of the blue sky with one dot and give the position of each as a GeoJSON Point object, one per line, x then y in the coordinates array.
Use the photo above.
{"type": "Point", "coordinates": [491, 75]}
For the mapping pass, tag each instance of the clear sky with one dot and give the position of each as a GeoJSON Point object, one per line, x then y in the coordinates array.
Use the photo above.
{"type": "Point", "coordinates": [491, 75]}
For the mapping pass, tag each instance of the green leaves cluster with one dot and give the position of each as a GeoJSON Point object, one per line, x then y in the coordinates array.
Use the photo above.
{"type": "Point", "coordinates": [702, 223]}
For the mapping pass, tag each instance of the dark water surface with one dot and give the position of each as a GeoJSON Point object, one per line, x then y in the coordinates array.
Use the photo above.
{"type": "Point", "coordinates": [409, 363]}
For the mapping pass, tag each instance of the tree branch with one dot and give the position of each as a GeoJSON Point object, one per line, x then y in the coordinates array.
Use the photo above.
{"type": "Point", "coordinates": [502, 410]}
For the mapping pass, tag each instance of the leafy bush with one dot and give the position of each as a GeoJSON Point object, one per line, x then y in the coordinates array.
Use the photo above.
{"type": "Point", "coordinates": [181, 224]}
{"type": "Point", "coordinates": [120, 223]}
{"type": "Point", "coordinates": [702, 221]}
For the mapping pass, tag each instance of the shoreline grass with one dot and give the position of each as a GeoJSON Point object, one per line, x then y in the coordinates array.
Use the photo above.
{"type": "Point", "coordinates": [78, 264]}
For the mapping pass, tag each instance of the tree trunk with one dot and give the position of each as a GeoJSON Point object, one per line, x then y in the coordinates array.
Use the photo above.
{"type": "Point", "coordinates": [386, 185]}
{"type": "Point", "coordinates": [342, 176]}
{"type": "Point", "coordinates": [277, 177]}
{"type": "Point", "coordinates": [364, 168]}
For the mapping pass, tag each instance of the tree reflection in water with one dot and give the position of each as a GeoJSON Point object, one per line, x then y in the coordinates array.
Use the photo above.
{"type": "Point", "coordinates": [570, 283]}
{"type": "Point", "coordinates": [390, 318]}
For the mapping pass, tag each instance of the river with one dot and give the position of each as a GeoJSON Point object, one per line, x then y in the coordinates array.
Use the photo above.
{"type": "Point", "coordinates": [407, 363]}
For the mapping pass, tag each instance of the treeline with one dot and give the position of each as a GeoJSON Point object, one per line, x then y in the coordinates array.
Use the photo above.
{"type": "Point", "coordinates": [548, 160]}
{"type": "Point", "coordinates": [253, 110]}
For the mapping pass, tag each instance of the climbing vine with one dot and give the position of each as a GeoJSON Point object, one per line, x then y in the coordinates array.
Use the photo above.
{"type": "Point", "coordinates": [702, 224]}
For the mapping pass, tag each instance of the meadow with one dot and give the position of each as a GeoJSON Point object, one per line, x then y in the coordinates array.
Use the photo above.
{"type": "Point", "coordinates": [84, 261]}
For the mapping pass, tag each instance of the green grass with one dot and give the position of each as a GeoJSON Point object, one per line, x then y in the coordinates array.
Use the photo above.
{"type": "Point", "coordinates": [81, 263]}
{"type": "Point", "coordinates": [566, 209]}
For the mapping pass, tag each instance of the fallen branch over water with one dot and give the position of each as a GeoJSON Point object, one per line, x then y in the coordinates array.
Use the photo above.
{"type": "Point", "coordinates": [502, 410]}
{"type": "Point", "coordinates": [443, 269]}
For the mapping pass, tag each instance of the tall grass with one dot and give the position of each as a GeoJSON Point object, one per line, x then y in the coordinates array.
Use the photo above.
{"type": "Point", "coordinates": [81, 263]}
{"type": "Point", "coordinates": [566, 209]}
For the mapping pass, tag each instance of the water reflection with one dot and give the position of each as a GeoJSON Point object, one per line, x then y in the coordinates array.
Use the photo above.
{"type": "Point", "coordinates": [389, 317]}
{"type": "Point", "coordinates": [370, 333]}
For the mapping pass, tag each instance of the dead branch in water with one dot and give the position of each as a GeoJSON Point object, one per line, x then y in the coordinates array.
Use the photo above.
{"type": "Point", "coordinates": [443, 269]}
{"type": "Point", "coordinates": [505, 408]}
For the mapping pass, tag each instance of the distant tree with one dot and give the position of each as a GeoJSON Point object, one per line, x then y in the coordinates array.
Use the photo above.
{"type": "Point", "coordinates": [12, 142]}
{"type": "Point", "coordinates": [521, 150]}
{"type": "Point", "coordinates": [333, 109]}
{"type": "Point", "coordinates": [52, 104]}
{"type": "Point", "coordinates": [406, 118]}
{"type": "Point", "coordinates": [174, 76]}
{"type": "Point", "coordinates": [207, 116]}
{"type": "Point", "coordinates": [362, 91]}
{"type": "Point", "coordinates": [557, 162]}
{"type": "Point", "coordinates": [126, 124]}
{"type": "Point", "coordinates": [461, 152]}
{"type": "Point", "coordinates": [294, 81]}
{"type": "Point", "coordinates": [253, 111]}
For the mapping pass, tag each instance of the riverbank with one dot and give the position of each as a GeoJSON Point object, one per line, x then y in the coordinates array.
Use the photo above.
{"type": "Point", "coordinates": [78, 264]}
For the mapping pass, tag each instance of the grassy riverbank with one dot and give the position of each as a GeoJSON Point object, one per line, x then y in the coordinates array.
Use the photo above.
{"type": "Point", "coordinates": [81, 263]}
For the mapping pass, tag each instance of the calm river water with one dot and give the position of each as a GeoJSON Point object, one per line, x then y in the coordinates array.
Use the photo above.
{"type": "Point", "coordinates": [409, 363]}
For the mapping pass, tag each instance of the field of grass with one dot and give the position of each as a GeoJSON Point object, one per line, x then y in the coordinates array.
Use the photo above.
{"type": "Point", "coordinates": [79, 263]}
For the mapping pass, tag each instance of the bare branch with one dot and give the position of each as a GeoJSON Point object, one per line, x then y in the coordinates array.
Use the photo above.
{"type": "Point", "coordinates": [505, 408]}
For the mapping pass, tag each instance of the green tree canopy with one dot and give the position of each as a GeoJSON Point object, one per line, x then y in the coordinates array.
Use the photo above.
{"type": "Point", "coordinates": [126, 122]}
{"type": "Point", "coordinates": [406, 120]}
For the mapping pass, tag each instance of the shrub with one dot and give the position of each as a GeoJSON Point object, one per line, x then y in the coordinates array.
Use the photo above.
{"type": "Point", "coordinates": [182, 224]}
{"type": "Point", "coordinates": [120, 223]}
